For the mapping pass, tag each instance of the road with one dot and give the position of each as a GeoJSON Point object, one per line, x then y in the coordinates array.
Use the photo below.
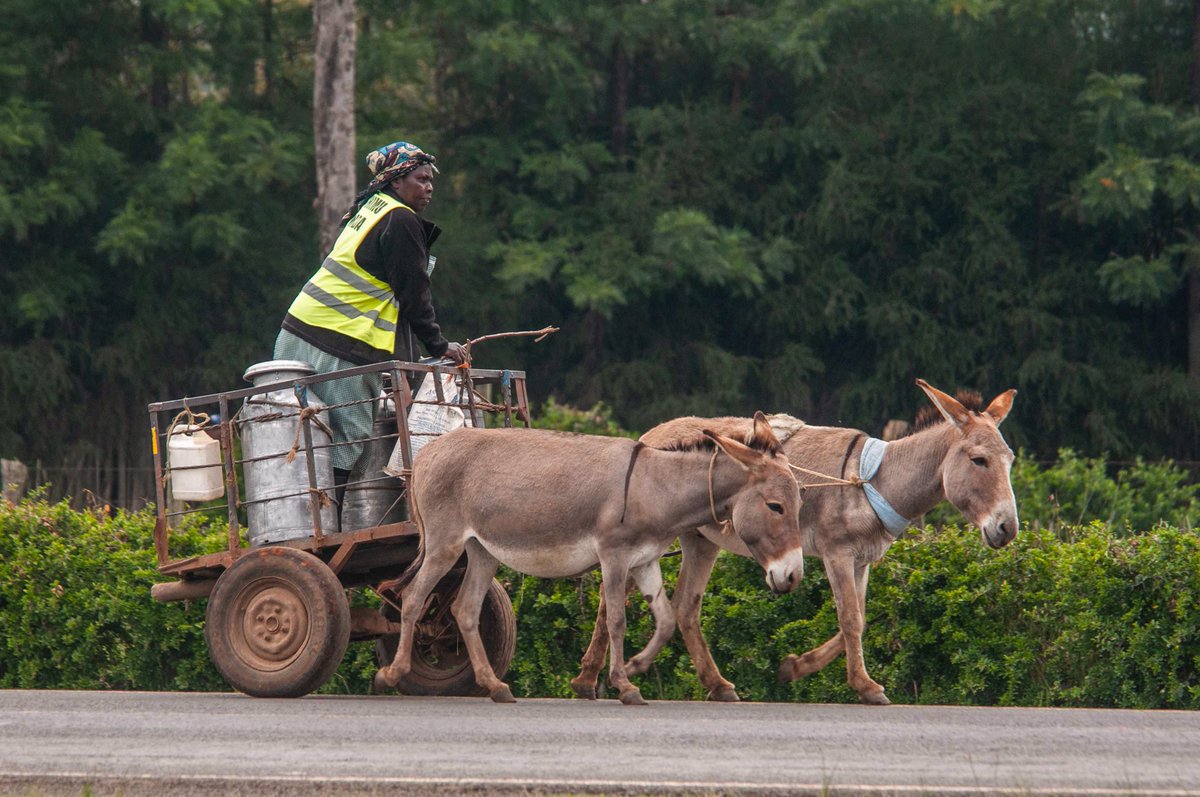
{"type": "Point", "coordinates": [138, 743]}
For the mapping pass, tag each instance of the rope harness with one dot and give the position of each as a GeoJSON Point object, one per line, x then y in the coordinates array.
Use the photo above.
{"type": "Point", "coordinates": [869, 461]}
{"type": "Point", "coordinates": [726, 525]}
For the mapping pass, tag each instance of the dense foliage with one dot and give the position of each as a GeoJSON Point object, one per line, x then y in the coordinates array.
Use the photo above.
{"type": "Point", "coordinates": [1071, 614]}
{"type": "Point", "coordinates": [794, 205]}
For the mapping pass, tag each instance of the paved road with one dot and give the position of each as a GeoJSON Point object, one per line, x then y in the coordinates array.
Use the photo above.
{"type": "Point", "coordinates": [135, 743]}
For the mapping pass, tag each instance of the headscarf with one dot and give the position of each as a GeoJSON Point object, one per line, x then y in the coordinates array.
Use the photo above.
{"type": "Point", "coordinates": [390, 163]}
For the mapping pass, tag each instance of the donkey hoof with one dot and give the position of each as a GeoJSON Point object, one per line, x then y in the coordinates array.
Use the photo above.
{"type": "Point", "coordinates": [879, 698]}
{"type": "Point", "coordinates": [724, 694]}
{"type": "Point", "coordinates": [633, 697]}
{"type": "Point", "coordinates": [502, 694]}
{"type": "Point", "coordinates": [379, 684]}
{"type": "Point", "coordinates": [583, 689]}
{"type": "Point", "coordinates": [787, 670]}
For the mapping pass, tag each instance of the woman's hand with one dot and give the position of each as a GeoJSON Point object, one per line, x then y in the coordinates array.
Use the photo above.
{"type": "Point", "coordinates": [457, 352]}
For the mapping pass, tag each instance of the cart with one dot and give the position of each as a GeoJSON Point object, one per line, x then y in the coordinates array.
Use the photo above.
{"type": "Point", "coordinates": [278, 619]}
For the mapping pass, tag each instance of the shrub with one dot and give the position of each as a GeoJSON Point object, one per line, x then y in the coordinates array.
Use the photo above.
{"type": "Point", "coordinates": [565, 418]}
{"type": "Point", "coordinates": [1100, 613]}
{"type": "Point", "coordinates": [1089, 620]}
{"type": "Point", "coordinates": [75, 606]}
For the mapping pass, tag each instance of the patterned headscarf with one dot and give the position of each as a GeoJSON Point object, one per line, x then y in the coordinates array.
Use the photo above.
{"type": "Point", "coordinates": [396, 160]}
{"type": "Point", "coordinates": [390, 163]}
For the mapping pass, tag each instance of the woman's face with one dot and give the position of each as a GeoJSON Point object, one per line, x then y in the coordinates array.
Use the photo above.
{"type": "Point", "coordinates": [416, 188]}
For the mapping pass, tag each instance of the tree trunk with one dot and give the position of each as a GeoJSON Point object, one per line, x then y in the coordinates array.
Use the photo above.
{"type": "Point", "coordinates": [333, 112]}
{"type": "Point", "coordinates": [1193, 272]}
{"type": "Point", "coordinates": [265, 73]}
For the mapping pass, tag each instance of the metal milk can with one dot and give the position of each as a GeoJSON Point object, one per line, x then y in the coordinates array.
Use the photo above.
{"type": "Point", "coordinates": [374, 498]}
{"type": "Point", "coordinates": [277, 491]}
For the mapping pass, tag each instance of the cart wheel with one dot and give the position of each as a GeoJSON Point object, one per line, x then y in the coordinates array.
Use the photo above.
{"type": "Point", "coordinates": [440, 664]}
{"type": "Point", "coordinates": [277, 623]}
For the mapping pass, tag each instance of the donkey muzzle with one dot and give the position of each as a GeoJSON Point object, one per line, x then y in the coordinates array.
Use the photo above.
{"type": "Point", "coordinates": [783, 575]}
{"type": "Point", "coordinates": [999, 530]}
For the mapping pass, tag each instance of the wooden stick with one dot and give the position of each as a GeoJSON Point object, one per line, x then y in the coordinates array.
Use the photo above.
{"type": "Point", "coordinates": [541, 334]}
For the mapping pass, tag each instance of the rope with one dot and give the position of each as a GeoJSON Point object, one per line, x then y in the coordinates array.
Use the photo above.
{"type": "Point", "coordinates": [726, 525]}
{"type": "Point", "coordinates": [834, 481]}
{"type": "Point", "coordinates": [192, 418]}
{"type": "Point", "coordinates": [307, 412]}
{"type": "Point", "coordinates": [323, 498]}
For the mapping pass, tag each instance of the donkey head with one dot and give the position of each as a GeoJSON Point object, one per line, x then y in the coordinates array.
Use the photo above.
{"type": "Point", "coordinates": [765, 510]}
{"type": "Point", "coordinates": [975, 471]}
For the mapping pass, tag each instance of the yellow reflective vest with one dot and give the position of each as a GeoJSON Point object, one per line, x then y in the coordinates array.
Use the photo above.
{"type": "Point", "coordinates": [342, 296]}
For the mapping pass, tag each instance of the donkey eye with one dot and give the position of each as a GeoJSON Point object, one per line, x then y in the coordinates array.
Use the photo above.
{"type": "Point", "coordinates": [775, 507]}
{"type": "Point", "coordinates": [980, 461]}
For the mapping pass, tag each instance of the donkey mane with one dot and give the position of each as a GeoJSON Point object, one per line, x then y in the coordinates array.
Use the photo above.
{"type": "Point", "coordinates": [928, 415]}
{"type": "Point", "coordinates": [692, 444]}
{"type": "Point", "coordinates": [700, 442]}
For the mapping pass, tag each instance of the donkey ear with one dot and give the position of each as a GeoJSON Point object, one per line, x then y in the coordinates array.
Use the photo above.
{"type": "Point", "coordinates": [947, 405]}
{"type": "Point", "coordinates": [1001, 405]}
{"type": "Point", "coordinates": [763, 437]}
{"type": "Point", "coordinates": [740, 453]}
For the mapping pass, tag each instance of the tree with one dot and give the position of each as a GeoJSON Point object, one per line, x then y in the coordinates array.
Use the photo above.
{"type": "Point", "coordinates": [336, 36]}
{"type": "Point", "coordinates": [149, 214]}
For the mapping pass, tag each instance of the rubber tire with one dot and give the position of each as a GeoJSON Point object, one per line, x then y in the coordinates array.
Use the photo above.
{"type": "Point", "coordinates": [277, 623]}
{"type": "Point", "coordinates": [455, 676]}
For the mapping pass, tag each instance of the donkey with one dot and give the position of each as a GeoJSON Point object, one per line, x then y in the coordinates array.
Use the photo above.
{"type": "Point", "coordinates": [850, 526]}
{"type": "Point", "coordinates": [555, 505]}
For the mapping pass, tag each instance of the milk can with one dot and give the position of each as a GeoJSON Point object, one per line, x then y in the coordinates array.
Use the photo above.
{"type": "Point", "coordinates": [277, 491]}
{"type": "Point", "coordinates": [372, 497]}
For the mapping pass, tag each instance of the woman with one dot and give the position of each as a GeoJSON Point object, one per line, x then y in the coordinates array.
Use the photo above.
{"type": "Point", "coordinates": [370, 301]}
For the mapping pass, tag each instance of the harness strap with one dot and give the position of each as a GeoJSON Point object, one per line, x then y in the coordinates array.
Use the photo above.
{"type": "Point", "coordinates": [850, 447]}
{"type": "Point", "coordinates": [637, 449]}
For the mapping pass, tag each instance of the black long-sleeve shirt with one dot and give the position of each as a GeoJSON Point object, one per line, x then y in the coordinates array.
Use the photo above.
{"type": "Point", "coordinates": [396, 251]}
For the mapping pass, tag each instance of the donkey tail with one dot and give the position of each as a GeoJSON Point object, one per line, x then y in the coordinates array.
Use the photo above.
{"type": "Point", "coordinates": [393, 587]}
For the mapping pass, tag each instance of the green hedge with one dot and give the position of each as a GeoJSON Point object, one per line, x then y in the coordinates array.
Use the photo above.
{"type": "Point", "coordinates": [75, 606]}
{"type": "Point", "coordinates": [1099, 614]}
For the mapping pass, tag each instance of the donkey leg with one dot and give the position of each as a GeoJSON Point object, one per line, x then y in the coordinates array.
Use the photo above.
{"type": "Point", "coordinates": [862, 574]}
{"type": "Point", "coordinates": [481, 568]}
{"type": "Point", "coordinates": [699, 556]}
{"type": "Point", "coordinates": [614, 577]}
{"type": "Point", "coordinates": [845, 577]}
{"type": "Point", "coordinates": [796, 667]}
{"type": "Point", "coordinates": [586, 683]}
{"type": "Point", "coordinates": [649, 581]}
{"type": "Point", "coordinates": [435, 564]}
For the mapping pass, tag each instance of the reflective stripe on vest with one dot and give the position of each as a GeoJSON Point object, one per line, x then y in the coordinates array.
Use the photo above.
{"type": "Point", "coordinates": [342, 296]}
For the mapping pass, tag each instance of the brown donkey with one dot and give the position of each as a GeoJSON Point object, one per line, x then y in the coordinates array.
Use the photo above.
{"type": "Point", "coordinates": [553, 504]}
{"type": "Point", "coordinates": [964, 461]}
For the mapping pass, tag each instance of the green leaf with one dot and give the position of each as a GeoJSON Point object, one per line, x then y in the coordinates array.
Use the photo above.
{"type": "Point", "coordinates": [1138, 281]}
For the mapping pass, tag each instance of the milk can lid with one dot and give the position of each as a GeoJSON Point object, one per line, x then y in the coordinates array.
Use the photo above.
{"type": "Point", "coordinates": [278, 366]}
